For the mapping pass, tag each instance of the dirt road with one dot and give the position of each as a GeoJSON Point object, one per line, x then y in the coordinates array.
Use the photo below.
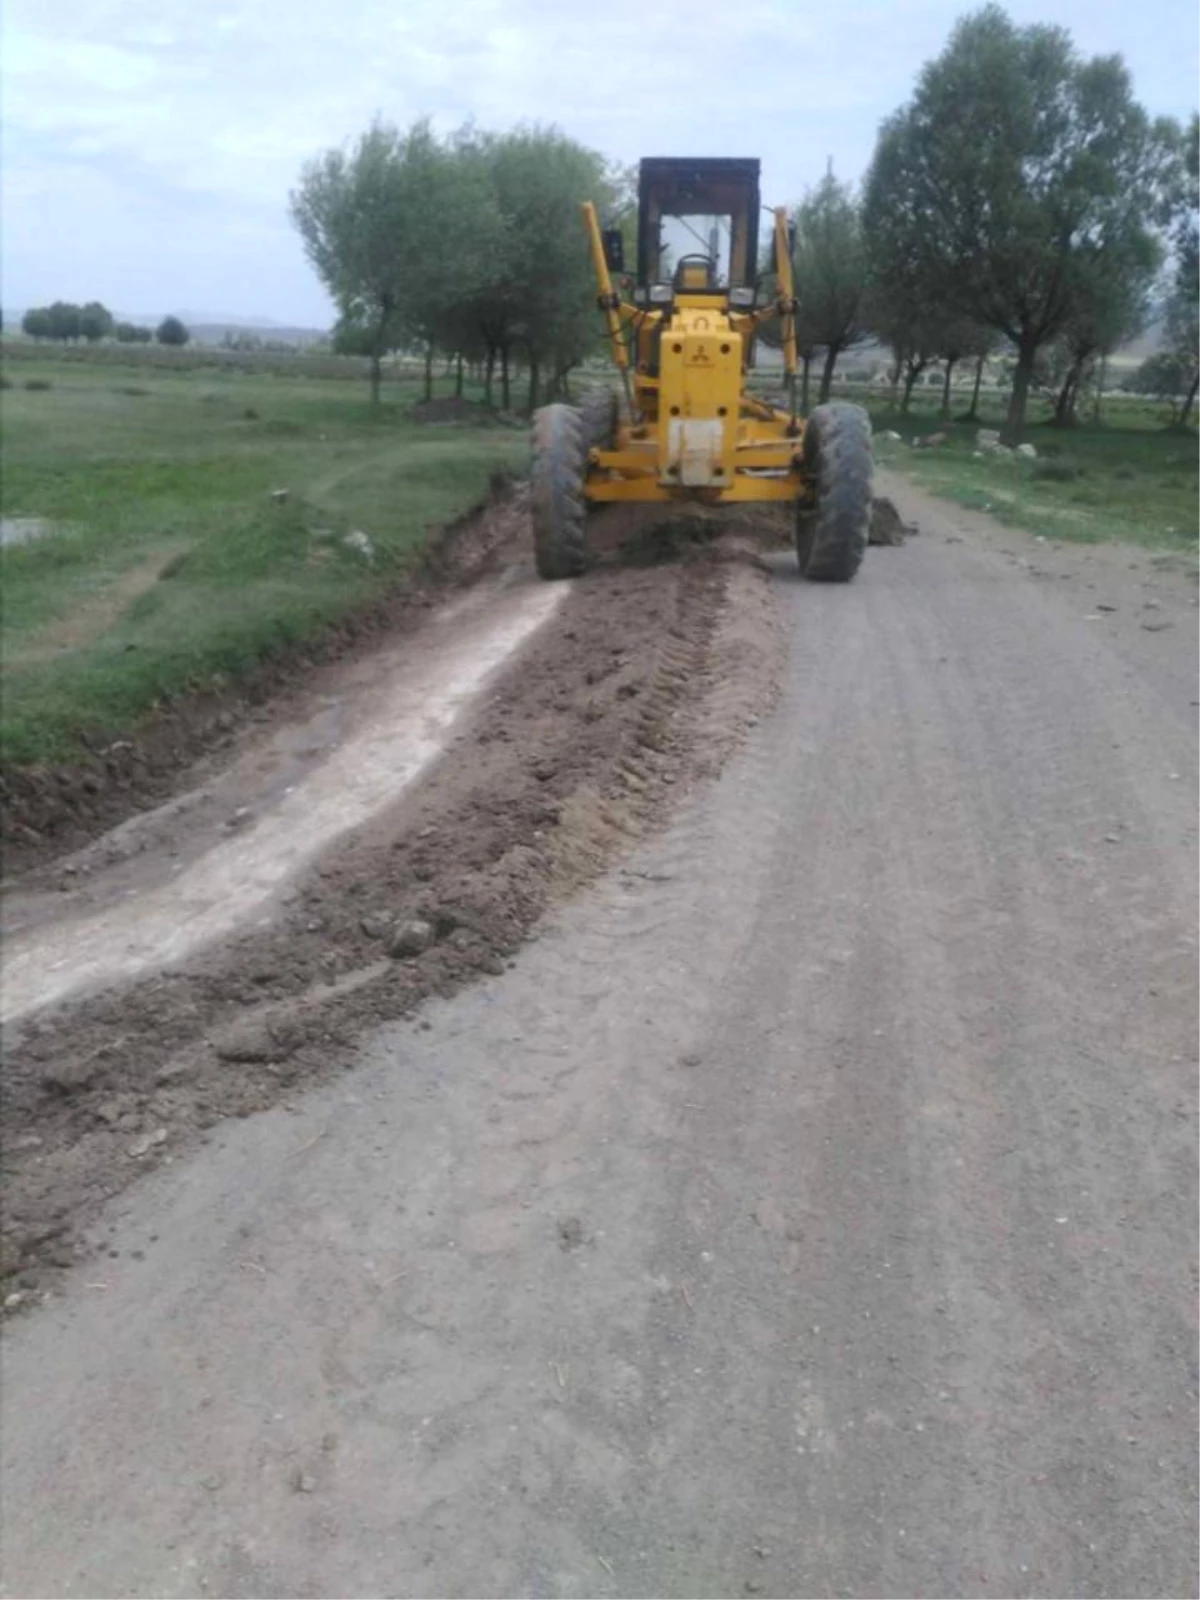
{"type": "Point", "coordinates": [809, 1209]}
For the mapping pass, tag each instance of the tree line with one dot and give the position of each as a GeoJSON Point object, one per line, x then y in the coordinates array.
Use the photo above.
{"type": "Point", "coordinates": [1022, 204]}
{"type": "Point", "coordinates": [93, 322]}
{"type": "Point", "coordinates": [470, 246]}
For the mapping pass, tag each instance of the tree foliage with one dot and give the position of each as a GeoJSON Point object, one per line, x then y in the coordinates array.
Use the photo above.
{"type": "Point", "coordinates": [171, 331]}
{"type": "Point", "coordinates": [471, 246]}
{"type": "Point", "coordinates": [829, 264]}
{"type": "Point", "coordinates": [66, 321]}
{"type": "Point", "coordinates": [95, 322]}
{"type": "Point", "coordinates": [1018, 175]}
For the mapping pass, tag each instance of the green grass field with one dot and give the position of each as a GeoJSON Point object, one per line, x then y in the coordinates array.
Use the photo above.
{"type": "Point", "coordinates": [1130, 478]}
{"type": "Point", "coordinates": [171, 564]}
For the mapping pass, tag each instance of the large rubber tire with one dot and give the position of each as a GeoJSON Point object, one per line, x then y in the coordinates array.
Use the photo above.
{"type": "Point", "coordinates": [831, 538]}
{"type": "Point", "coordinates": [599, 409]}
{"type": "Point", "coordinates": [560, 453]}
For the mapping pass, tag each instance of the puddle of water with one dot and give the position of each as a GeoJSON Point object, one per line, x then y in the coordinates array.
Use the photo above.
{"type": "Point", "coordinates": [238, 877]}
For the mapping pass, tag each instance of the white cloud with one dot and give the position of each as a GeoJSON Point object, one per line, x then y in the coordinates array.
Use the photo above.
{"type": "Point", "coordinates": [150, 144]}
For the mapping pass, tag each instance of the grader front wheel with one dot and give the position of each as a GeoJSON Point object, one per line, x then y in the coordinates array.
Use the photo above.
{"type": "Point", "coordinates": [560, 453]}
{"type": "Point", "coordinates": [831, 536]}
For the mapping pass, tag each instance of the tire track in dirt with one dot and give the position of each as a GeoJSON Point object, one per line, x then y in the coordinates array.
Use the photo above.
{"type": "Point", "coordinates": [637, 688]}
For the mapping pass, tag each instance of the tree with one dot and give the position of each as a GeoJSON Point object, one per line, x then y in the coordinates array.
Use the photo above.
{"type": "Point", "coordinates": [960, 340]}
{"type": "Point", "coordinates": [1183, 304]}
{"type": "Point", "coordinates": [130, 333]}
{"type": "Point", "coordinates": [37, 323]}
{"type": "Point", "coordinates": [830, 269]}
{"type": "Point", "coordinates": [534, 291]}
{"type": "Point", "coordinates": [1014, 168]}
{"type": "Point", "coordinates": [902, 308]}
{"type": "Point", "coordinates": [1188, 216]}
{"type": "Point", "coordinates": [95, 322]}
{"type": "Point", "coordinates": [350, 210]}
{"type": "Point", "coordinates": [1109, 307]}
{"type": "Point", "coordinates": [64, 320]}
{"type": "Point", "coordinates": [982, 347]}
{"type": "Point", "coordinates": [1181, 352]}
{"type": "Point", "coordinates": [171, 331]}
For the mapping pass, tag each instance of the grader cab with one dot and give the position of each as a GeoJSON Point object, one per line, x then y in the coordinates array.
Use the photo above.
{"type": "Point", "coordinates": [685, 427]}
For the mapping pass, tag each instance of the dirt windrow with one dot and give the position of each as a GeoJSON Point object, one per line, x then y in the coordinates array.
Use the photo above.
{"type": "Point", "coordinates": [639, 685]}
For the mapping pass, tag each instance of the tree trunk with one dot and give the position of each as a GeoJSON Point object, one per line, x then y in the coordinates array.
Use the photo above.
{"type": "Point", "coordinates": [1187, 404]}
{"type": "Point", "coordinates": [1014, 423]}
{"type": "Point", "coordinates": [1064, 406]}
{"type": "Point", "coordinates": [831, 356]}
{"type": "Point", "coordinates": [973, 414]}
{"type": "Point", "coordinates": [458, 376]}
{"type": "Point", "coordinates": [894, 377]}
{"type": "Point", "coordinates": [505, 389]}
{"type": "Point", "coordinates": [428, 395]}
{"type": "Point", "coordinates": [915, 370]}
{"type": "Point", "coordinates": [950, 366]}
{"type": "Point", "coordinates": [488, 369]}
{"type": "Point", "coordinates": [806, 372]}
{"type": "Point", "coordinates": [1101, 376]}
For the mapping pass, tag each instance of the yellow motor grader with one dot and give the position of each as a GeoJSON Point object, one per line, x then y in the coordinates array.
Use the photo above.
{"type": "Point", "coordinates": [686, 428]}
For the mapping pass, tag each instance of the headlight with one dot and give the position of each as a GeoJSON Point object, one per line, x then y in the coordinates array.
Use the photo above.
{"type": "Point", "coordinates": [641, 295]}
{"type": "Point", "coordinates": [661, 294]}
{"type": "Point", "coordinates": [742, 299]}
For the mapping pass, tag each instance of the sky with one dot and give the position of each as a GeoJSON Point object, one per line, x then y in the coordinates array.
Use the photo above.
{"type": "Point", "coordinates": [148, 146]}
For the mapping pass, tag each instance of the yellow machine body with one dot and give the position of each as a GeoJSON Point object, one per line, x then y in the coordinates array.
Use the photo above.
{"type": "Point", "coordinates": [690, 430]}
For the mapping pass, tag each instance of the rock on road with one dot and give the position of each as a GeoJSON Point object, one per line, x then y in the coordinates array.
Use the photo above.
{"type": "Point", "coordinates": [810, 1210]}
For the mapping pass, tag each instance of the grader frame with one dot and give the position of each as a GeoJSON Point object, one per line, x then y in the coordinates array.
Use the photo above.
{"type": "Point", "coordinates": [683, 343]}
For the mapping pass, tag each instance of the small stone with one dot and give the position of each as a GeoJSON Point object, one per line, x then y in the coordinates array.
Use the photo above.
{"type": "Point", "coordinates": [68, 1077]}
{"type": "Point", "coordinates": [410, 938]}
{"type": "Point", "coordinates": [1157, 626]}
{"type": "Point", "coordinates": [28, 1141]}
{"type": "Point", "coordinates": [304, 1483]}
{"type": "Point", "coordinates": [12, 1301]}
{"type": "Point", "coordinates": [214, 1481]}
{"type": "Point", "coordinates": [376, 925]}
{"type": "Point", "coordinates": [1029, 451]}
{"type": "Point", "coordinates": [279, 496]}
{"type": "Point", "coordinates": [253, 1039]}
{"type": "Point", "coordinates": [570, 1233]}
{"type": "Point", "coordinates": [148, 1142]}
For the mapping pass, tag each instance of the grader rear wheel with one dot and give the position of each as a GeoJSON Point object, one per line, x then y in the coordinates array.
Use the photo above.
{"type": "Point", "coordinates": [560, 452]}
{"type": "Point", "coordinates": [831, 536]}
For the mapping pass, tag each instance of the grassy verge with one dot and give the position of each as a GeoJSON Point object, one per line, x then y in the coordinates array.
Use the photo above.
{"type": "Point", "coordinates": [1129, 479]}
{"type": "Point", "coordinates": [171, 564]}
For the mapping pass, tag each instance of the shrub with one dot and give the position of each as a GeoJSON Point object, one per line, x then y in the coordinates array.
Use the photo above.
{"type": "Point", "coordinates": [38, 383]}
